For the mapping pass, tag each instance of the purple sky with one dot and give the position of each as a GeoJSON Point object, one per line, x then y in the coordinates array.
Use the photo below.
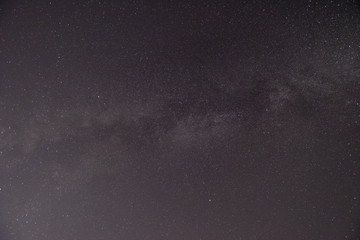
{"type": "Point", "coordinates": [179, 120]}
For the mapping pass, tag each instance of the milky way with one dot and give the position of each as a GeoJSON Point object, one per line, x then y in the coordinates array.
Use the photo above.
{"type": "Point", "coordinates": [179, 120]}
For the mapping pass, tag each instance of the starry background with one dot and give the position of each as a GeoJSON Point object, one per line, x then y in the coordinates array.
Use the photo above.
{"type": "Point", "coordinates": [179, 120]}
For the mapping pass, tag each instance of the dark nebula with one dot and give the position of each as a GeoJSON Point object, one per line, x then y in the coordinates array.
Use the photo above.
{"type": "Point", "coordinates": [179, 120]}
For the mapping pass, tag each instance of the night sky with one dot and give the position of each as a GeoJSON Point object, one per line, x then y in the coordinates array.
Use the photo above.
{"type": "Point", "coordinates": [179, 120]}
